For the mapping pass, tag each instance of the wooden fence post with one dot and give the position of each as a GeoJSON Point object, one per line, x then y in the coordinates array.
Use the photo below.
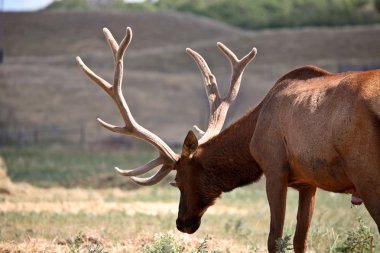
{"type": "Point", "coordinates": [35, 135]}
{"type": "Point", "coordinates": [82, 134]}
{"type": "Point", "coordinates": [20, 136]}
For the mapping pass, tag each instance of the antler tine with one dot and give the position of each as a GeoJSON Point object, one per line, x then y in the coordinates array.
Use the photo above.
{"type": "Point", "coordinates": [166, 155]}
{"type": "Point", "coordinates": [237, 67]}
{"type": "Point", "coordinates": [111, 41]}
{"type": "Point", "coordinates": [163, 172]}
{"type": "Point", "coordinates": [106, 86]}
{"type": "Point", "coordinates": [219, 106]}
{"type": "Point", "coordinates": [210, 84]}
{"type": "Point", "coordinates": [115, 46]}
{"type": "Point", "coordinates": [209, 79]}
{"type": "Point", "coordinates": [140, 170]}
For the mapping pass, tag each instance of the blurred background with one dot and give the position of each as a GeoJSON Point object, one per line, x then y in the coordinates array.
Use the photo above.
{"type": "Point", "coordinates": [49, 135]}
{"type": "Point", "coordinates": [46, 101]}
{"type": "Point", "coordinates": [45, 96]}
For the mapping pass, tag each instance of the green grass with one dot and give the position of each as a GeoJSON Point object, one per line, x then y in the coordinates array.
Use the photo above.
{"type": "Point", "coordinates": [69, 166]}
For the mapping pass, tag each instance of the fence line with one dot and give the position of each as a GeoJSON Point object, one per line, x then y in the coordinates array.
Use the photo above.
{"type": "Point", "coordinates": [42, 134]}
{"type": "Point", "coordinates": [347, 67]}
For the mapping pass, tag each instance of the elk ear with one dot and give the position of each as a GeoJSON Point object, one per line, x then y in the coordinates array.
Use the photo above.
{"type": "Point", "coordinates": [190, 144]}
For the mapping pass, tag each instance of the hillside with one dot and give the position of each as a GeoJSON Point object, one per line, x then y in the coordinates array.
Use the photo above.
{"type": "Point", "coordinates": [60, 33]}
{"type": "Point", "coordinates": [42, 85]}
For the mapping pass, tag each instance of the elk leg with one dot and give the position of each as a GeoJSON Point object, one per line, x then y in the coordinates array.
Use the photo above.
{"type": "Point", "coordinates": [362, 155]}
{"type": "Point", "coordinates": [371, 200]}
{"type": "Point", "coordinates": [276, 193]}
{"type": "Point", "coordinates": [364, 171]}
{"type": "Point", "coordinates": [305, 212]}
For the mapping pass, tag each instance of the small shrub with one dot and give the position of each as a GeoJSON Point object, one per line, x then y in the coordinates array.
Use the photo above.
{"type": "Point", "coordinates": [84, 244]}
{"type": "Point", "coordinates": [75, 244]}
{"type": "Point", "coordinates": [96, 247]}
{"type": "Point", "coordinates": [284, 244]}
{"type": "Point", "coordinates": [202, 248]}
{"type": "Point", "coordinates": [359, 240]}
{"type": "Point", "coordinates": [164, 243]}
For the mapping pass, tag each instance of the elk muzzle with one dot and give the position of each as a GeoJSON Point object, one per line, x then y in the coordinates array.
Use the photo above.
{"type": "Point", "coordinates": [189, 225]}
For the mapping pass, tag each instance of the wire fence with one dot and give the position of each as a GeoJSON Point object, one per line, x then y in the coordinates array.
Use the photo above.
{"type": "Point", "coordinates": [42, 134]}
{"type": "Point", "coordinates": [74, 135]}
{"type": "Point", "coordinates": [347, 67]}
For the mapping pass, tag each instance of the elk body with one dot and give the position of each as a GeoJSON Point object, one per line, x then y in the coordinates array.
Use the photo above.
{"type": "Point", "coordinates": [314, 129]}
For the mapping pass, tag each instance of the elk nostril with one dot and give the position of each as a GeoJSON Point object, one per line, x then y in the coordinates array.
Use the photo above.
{"type": "Point", "coordinates": [180, 225]}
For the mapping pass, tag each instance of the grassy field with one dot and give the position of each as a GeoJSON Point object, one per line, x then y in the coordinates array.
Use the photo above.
{"type": "Point", "coordinates": [68, 199]}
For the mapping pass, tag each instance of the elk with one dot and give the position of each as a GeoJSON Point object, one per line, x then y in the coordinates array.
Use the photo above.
{"type": "Point", "coordinates": [314, 129]}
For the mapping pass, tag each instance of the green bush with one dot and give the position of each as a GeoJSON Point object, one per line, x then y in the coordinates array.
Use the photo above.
{"type": "Point", "coordinates": [82, 245]}
{"type": "Point", "coordinates": [69, 5]}
{"type": "Point", "coordinates": [275, 13]}
{"type": "Point", "coordinates": [258, 14]}
{"type": "Point", "coordinates": [283, 245]}
{"type": "Point", "coordinates": [377, 5]}
{"type": "Point", "coordinates": [359, 240]}
{"type": "Point", "coordinates": [202, 247]}
{"type": "Point", "coordinates": [164, 243]}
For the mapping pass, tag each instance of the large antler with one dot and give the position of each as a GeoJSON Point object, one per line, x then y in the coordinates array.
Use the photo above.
{"type": "Point", "coordinates": [219, 106]}
{"type": "Point", "coordinates": [166, 156]}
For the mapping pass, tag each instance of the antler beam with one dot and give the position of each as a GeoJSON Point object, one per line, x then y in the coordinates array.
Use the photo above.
{"type": "Point", "coordinates": [166, 155]}
{"type": "Point", "coordinates": [219, 106]}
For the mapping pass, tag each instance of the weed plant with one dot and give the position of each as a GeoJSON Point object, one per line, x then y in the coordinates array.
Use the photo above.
{"type": "Point", "coordinates": [167, 243]}
{"type": "Point", "coordinates": [80, 245]}
{"type": "Point", "coordinates": [358, 240]}
{"type": "Point", "coordinates": [203, 248]}
{"type": "Point", "coordinates": [163, 243]}
{"type": "Point", "coordinates": [283, 245]}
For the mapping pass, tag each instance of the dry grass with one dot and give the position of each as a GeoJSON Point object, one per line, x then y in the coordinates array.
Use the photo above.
{"type": "Point", "coordinates": [37, 202]}
{"type": "Point", "coordinates": [28, 224]}
{"type": "Point", "coordinates": [5, 183]}
{"type": "Point", "coordinates": [26, 198]}
{"type": "Point", "coordinates": [47, 220]}
{"type": "Point", "coordinates": [40, 245]}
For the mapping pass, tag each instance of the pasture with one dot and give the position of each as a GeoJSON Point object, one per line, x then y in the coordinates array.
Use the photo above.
{"type": "Point", "coordinates": [68, 199]}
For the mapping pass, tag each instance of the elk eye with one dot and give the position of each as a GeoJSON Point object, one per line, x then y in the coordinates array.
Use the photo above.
{"type": "Point", "coordinates": [173, 183]}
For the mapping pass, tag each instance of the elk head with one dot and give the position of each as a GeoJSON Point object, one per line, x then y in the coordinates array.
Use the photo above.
{"type": "Point", "coordinates": [198, 191]}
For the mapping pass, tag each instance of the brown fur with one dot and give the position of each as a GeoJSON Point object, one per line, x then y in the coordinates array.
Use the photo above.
{"type": "Point", "coordinates": [314, 129]}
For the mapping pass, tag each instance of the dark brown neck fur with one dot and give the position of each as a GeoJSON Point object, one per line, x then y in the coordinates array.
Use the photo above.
{"type": "Point", "coordinates": [227, 156]}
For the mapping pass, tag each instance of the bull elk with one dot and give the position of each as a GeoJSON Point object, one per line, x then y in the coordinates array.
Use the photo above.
{"type": "Point", "coordinates": [314, 129]}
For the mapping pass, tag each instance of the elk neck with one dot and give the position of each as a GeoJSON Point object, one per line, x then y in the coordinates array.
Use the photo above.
{"type": "Point", "coordinates": [227, 157]}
